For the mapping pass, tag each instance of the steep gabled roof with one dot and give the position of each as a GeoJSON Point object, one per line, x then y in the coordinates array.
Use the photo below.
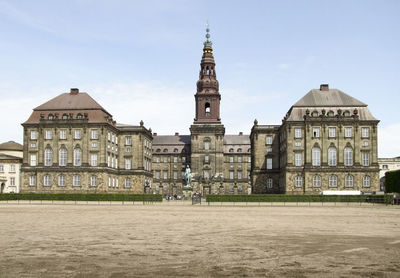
{"type": "Point", "coordinates": [171, 140]}
{"type": "Point", "coordinates": [68, 101]}
{"type": "Point", "coordinates": [329, 98]}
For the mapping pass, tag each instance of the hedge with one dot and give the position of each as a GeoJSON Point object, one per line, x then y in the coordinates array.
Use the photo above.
{"type": "Point", "coordinates": [82, 197]}
{"type": "Point", "coordinates": [385, 199]}
{"type": "Point", "coordinates": [392, 181]}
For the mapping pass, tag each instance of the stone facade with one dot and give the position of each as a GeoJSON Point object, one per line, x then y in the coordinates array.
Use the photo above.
{"type": "Point", "coordinates": [327, 141]}
{"type": "Point", "coordinates": [72, 144]}
{"type": "Point", "coordinates": [385, 165]}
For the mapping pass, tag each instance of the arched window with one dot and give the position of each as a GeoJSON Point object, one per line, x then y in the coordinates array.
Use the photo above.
{"type": "Point", "coordinates": [207, 144]}
{"type": "Point", "coordinates": [158, 150]}
{"type": "Point", "coordinates": [239, 150]}
{"type": "Point", "coordinates": [50, 117]}
{"type": "Point", "coordinates": [299, 181]}
{"type": "Point", "coordinates": [331, 114]}
{"type": "Point", "coordinates": [165, 150]}
{"type": "Point", "coordinates": [346, 113]}
{"type": "Point", "coordinates": [314, 114]}
{"type": "Point", "coordinates": [270, 183]}
{"type": "Point", "coordinates": [332, 156]}
{"type": "Point", "coordinates": [79, 116]}
{"type": "Point", "coordinates": [333, 181]}
{"type": "Point", "coordinates": [366, 181]}
{"type": "Point", "coordinates": [317, 181]}
{"type": "Point", "coordinates": [349, 181]}
{"type": "Point", "coordinates": [231, 150]}
{"type": "Point", "coordinates": [48, 157]}
{"type": "Point", "coordinates": [64, 116]}
{"type": "Point", "coordinates": [207, 108]}
{"type": "Point", "coordinates": [62, 157]}
{"type": "Point", "coordinates": [348, 156]}
{"type": "Point", "coordinates": [175, 150]}
{"type": "Point", "coordinates": [77, 157]}
{"type": "Point", "coordinates": [316, 156]}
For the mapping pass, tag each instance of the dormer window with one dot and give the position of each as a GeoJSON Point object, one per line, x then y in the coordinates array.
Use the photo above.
{"type": "Point", "coordinates": [50, 117]}
{"type": "Point", "coordinates": [79, 116]}
{"type": "Point", "coordinates": [64, 116]}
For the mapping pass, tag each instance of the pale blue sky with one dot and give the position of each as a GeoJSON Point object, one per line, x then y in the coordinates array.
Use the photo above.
{"type": "Point", "coordinates": [140, 59]}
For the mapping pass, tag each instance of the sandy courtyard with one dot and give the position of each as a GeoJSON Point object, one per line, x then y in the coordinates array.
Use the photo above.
{"type": "Point", "coordinates": [181, 240]}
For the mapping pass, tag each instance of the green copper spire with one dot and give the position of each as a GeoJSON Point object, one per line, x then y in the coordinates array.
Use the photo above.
{"type": "Point", "coordinates": [207, 42]}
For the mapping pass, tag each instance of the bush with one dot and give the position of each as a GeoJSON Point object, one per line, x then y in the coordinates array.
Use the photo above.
{"type": "Point", "coordinates": [300, 198]}
{"type": "Point", "coordinates": [392, 181]}
{"type": "Point", "coordinates": [82, 197]}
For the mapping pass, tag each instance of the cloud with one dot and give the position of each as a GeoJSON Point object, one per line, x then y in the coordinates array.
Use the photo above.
{"type": "Point", "coordinates": [22, 17]}
{"type": "Point", "coordinates": [388, 140]}
{"type": "Point", "coordinates": [284, 66]}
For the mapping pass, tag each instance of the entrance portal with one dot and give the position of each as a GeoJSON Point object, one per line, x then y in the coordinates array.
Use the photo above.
{"type": "Point", "coordinates": [2, 187]}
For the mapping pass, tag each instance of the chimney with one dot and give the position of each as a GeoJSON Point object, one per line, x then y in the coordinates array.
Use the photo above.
{"type": "Point", "coordinates": [324, 87]}
{"type": "Point", "coordinates": [176, 133]}
{"type": "Point", "coordinates": [154, 133]}
{"type": "Point", "coordinates": [240, 133]}
{"type": "Point", "coordinates": [74, 91]}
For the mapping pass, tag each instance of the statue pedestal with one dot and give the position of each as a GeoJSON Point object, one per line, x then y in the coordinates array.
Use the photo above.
{"type": "Point", "coordinates": [187, 192]}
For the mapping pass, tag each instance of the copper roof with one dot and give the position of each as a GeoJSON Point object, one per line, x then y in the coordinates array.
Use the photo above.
{"type": "Point", "coordinates": [11, 146]}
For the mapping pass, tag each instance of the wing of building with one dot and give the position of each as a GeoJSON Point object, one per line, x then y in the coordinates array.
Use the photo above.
{"type": "Point", "coordinates": [10, 165]}
{"type": "Point", "coordinates": [327, 141]}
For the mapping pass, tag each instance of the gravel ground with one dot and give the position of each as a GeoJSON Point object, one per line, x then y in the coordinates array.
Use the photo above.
{"type": "Point", "coordinates": [177, 239]}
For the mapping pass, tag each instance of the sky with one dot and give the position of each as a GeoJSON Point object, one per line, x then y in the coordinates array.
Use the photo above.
{"type": "Point", "coordinates": [140, 59]}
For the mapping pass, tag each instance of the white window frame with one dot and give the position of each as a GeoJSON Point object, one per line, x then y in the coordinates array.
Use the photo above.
{"type": "Point", "coordinates": [33, 160]}
{"type": "Point", "coordinates": [76, 180]}
{"type": "Point", "coordinates": [268, 140]}
{"type": "Point", "coordinates": [93, 159]}
{"type": "Point", "coordinates": [61, 180]}
{"type": "Point", "coordinates": [297, 133]}
{"type": "Point", "coordinates": [62, 157]}
{"type": "Point", "coordinates": [93, 181]}
{"type": "Point", "coordinates": [207, 145]}
{"type": "Point", "coordinates": [32, 180]}
{"type": "Point", "coordinates": [365, 132]}
{"type": "Point", "coordinates": [349, 181]}
{"type": "Point", "coordinates": [316, 156]}
{"type": "Point", "coordinates": [46, 180]}
{"type": "Point", "coordinates": [366, 181]}
{"type": "Point", "coordinates": [299, 181]}
{"type": "Point", "coordinates": [128, 163]}
{"type": "Point", "coordinates": [127, 183]}
{"type": "Point", "coordinates": [94, 134]}
{"type": "Point", "coordinates": [332, 156]}
{"type": "Point", "coordinates": [128, 141]}
{"type": "Point", "coordinates": [348, 156]}
{"type": "Point", "coordinates": [316, 132]}
{"type": "Point", "coordinates": [63, 134]}
{"type": "Point", "coordinates": [317, 181]}
{"type": "Point", "coordinates": [231, 174]}
{"type": "Point", "coordinates": [33, 135]}
{"type": "Point", "coordinates": [268, 163]}
{"type": "Point", "coordinates": [333, 181]}
{"type": "Point", "coordinates": [270, 183]}
{"type": "Point", "coordinates": [48, 157]}
{"type": "Point", "coordinates": [348, 132]}
{"type": "Point", "coordinates": [366, 158]}
{"type": "Point", "coordinates": [298, 159]}
{"type": "Point", "coordinates": [48, 134]}
{"type": "Point", "coordinates": [332, 132]}
{"type": "Point", "coordinates": [77, 157]}
{"type": "Point", "coordinates": [77, 134]}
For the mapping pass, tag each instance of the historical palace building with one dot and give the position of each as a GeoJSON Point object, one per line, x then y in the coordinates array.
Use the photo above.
{"type": "Point", "coordinates": [327, 141]}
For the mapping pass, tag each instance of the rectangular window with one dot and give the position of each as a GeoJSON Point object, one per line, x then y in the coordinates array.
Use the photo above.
{"type": "Point", "coordinates": [365, 159]}
{"type": "Point", "coordinates": [348, 132]}
{"type": "Point", "coordinates": [231, 159]}
{"type": "Point", "coordinates": [249, 159]}
{"type": "Point", "coordinates": [33, 145]}
{"type": "Point", "coordinates": [269, 150]}
{"type": "Point", "coordinates": [93, 181]}
{"type": "Point", "coordinates": [94, 134]}
{"type": "Point", "coordinates": [61, 180]}
{"type": "Point", "coordinates": [94, 144]}
{"type": "Point", "coordinates": [46, 180]}
{"type": "Point", "coordinates": [158, 159]}
{"type": "Point", "coordinates": [268, 140]}
{"type": "Point", "coordinates": [297, 132]}
{"type": "Point", "coordinates": [206, 174]}
{"type": "Point", "coordinates": [127, 183]}
{"type": "Point", "coordinates": [76, 180]}
{"type": "Point", "coordinates": [158, 175]}
{"type": "Point", "coordinates": [165, 159]}
{"type": "Point", "coordinates": [206, 159]}
{"type": "Point", "coordinates": [316, 132]}
{"type": "Point", "coordinates": [12, 168]}
{"type": "Point", "coordinates": [239, 174]}
{"type": "Point", "coordinates": [63, 134]}
{"type": "Point", "coordinates": [108, 136]}
{"type": "Point", "coordinates": [207, 145]}
{"type": "Point", "coordinates": [175, 159]}
{"type": "Point", "coordinates": [77, 134]}
{"type": "Point", "coordinates": [93, 159]}
{"type": "Point", "coordinates": [175, 175]}
{"type": "Point", "coordinates": [365, 132]}
{"type": "Point", "coordinates": [1, 168]}
{"type": "Point", "coordinates": [332, 132]}
{"type": "Point", "coordinates": [128, 141]}
{"type": "Point", "coordinates": [33, 134]}
{"type": "Point", "coordinates": [12, 181]}
{"type": "Point", "coordinates": [183, 159]}
{"type": "Point", "coordinates": [269, 163]}
{"type": "Point", "coordinates": [298, 159]}
{"type": "Point", "coordinates": [112, 138]}
{"type": "Point", "coordinates": [231, 174]}
{"type": "Point", "coordinates": [128, 163]}
{"type": "Point", "coordinates": [32, 160]}
{"type": "Point", "coordinates": [32, 180]}
{"type": "Point", "coordinates": [48, 134]}
{"type": "Point", "coordinates": [297, 144]}
{"type": "Point", "coordinates": [165, 173]}
{"type": "Point", "coordinates": [365, 143]}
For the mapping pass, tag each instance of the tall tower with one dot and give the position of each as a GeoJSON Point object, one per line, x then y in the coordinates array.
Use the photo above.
{"type": "Point", "coordinates": [207, 132]}
{"type": "Point", "coordinates": [207, 96]}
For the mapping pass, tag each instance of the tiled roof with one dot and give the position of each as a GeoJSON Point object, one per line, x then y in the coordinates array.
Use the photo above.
{"type": "Point", "coordinates": [11, 146]}
{"type": "Point", "coordinates": [331, 97]}
{"type": "Point", "coordinates": [171, 140]}
{"type": "Point", "coordinates": [237, 140]}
